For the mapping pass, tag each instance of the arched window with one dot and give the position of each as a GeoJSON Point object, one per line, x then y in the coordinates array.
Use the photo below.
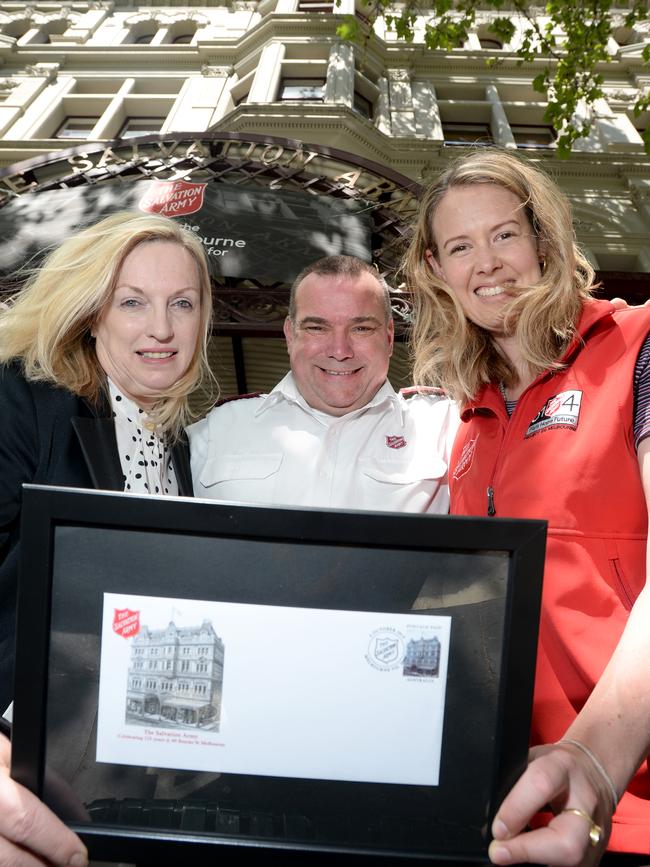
{"type": "Point", "coordinates": [490, 43]}
{"type": "Point", "coordinates": [47, 31]}
{"type": "Point", "coordinates": [627, 36]}
{"type": "Point", "coordinates": [17, 29]}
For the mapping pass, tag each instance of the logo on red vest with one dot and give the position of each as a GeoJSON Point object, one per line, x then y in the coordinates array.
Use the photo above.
{"type": "Point", "coordinates": [172, 198]}
{"type": "Point", "coordinates": [465, 459]}
{"type": "Point", "coordinates": [560, 411]}
{"type": "Point", "coordinates": [395, 442]}
{"type": "Point", "coordinates": [126, 622]}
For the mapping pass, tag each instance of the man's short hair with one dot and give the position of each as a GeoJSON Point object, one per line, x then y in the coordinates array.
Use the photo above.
{"type": "Point", "coordinates": [343, 266]}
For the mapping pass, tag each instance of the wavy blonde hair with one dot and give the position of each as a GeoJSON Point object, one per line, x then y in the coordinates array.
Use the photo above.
{"type": "Point", "coordinates": [450, 350]}
{"type": "Point", "coordinates": [47, 326]}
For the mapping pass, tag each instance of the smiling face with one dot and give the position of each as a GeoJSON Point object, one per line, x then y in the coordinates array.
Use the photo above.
{"type": "Point", "coordinates": [339, 342]}
{"type": "Point", "coordinates": [147, 333]}
{"type": "Point", "coordinates": [486, 246]}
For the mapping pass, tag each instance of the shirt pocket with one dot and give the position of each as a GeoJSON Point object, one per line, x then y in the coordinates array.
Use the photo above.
{"type": "Point", "coordinates": [228, 468]}
{"type": "Point", "coordinates": [404, 472]}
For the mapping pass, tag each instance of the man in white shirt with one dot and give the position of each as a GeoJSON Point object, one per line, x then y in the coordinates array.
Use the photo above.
{"type": "Point", "coordinates": [333, 432]}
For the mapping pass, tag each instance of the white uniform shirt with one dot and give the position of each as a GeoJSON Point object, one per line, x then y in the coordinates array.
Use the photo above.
{"type": "Point", "coordinates": [390, 455]}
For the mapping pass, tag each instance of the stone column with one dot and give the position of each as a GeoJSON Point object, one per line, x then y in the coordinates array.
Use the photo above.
{"type": "Point", "coordinates": [339, 84]}
{"type": "Point", "coordinates": [616, 131]}
{"type": "Point", "coordinates": [427, 114]}
{"type": "Point", "coordinates": [402, 116]}
{"type": "Point", "coordinates": [382, 107]}
{"type": "Point", "coordinates": [501, 132]}
{"type": "Point", "coordinates": [108, 125]}
{"type": "Point", "coordinates": [20, 93]}
{"type": "Point", "coordinates": [42, 113]}
{"type": "Point", "coordinates": [195, 109]}
{"type": "Point", "coordinates": [267, 75]}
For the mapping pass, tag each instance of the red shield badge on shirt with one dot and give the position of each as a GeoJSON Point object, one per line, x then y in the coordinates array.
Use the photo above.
{"type": "Point", "coordinates": [395, 442]}
{"type": "Point", "coordinates": [126, 622]}
{"type": "Point", "coordinates": [172, 198]}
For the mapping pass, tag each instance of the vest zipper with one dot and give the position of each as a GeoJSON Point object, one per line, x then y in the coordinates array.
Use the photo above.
{"type": "Point", "coordinates": [491, 508]}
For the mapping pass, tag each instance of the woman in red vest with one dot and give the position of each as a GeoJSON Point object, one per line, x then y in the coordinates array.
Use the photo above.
{"type": "Point", "coordinates": [555, 394]}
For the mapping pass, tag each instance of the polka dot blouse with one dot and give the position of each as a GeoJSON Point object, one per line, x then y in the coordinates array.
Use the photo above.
{"type": "Point", "coordinates": [145, 459]}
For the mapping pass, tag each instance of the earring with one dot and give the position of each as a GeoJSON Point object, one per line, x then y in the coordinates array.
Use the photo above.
{"type": "Point", "coordinates": [542, 266]}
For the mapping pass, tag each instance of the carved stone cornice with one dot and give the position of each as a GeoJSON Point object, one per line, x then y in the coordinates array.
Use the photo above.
{"type": "Point", "coordinates": [625, 95]}
{"type": "Point", "coordinates": [45, 70]}
{"type": "Point", "coordinates": [208, 71]}
{"type": "Point", "coordinates": [7, 85]}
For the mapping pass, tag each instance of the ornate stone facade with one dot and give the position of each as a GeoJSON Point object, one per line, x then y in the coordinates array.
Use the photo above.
{"type": "Point", "coordinates": [175, 676]}
{"type": "Point", "coordinates": [81, 74]}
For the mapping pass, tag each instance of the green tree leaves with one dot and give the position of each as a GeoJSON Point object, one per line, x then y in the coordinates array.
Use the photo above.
{"type": "Point", "coordinates": [571, 37]}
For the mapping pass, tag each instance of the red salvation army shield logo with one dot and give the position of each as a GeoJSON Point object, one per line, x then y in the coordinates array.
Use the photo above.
{"type": "Point", "coordinates": [172, 198]}
{"type": "Point", "coordinates": [126, 622]}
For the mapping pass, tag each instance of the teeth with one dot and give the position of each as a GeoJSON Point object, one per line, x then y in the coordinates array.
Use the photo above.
{"type": "Point", "coordinates": [487, 291]}
{"type": "Point", "coordinates": [156, 354]}
{"type": "Point", "coordinates": [340, 372]}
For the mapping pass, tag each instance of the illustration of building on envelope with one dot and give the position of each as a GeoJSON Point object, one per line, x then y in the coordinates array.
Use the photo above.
{"type": "Point", "coordinates": [175, 677]}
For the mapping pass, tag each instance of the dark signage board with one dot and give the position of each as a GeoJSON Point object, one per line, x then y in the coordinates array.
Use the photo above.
{"type": "Point", "coordinates": [247, 231]}
{"type": "Point", "coordinates": [196, 679]}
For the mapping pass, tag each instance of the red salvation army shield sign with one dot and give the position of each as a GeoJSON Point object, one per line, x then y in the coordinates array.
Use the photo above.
{"type": "Point", "coordinates": [172, 198]}
{"type": "Point", "coordinates": [126, 622]}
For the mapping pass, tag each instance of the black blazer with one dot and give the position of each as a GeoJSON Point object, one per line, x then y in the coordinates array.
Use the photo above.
{"type": "Point", "coordinates": [49, 436]}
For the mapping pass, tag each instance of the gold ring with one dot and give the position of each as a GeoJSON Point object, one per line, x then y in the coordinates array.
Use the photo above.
{"type": "Point", "coordinates": [595, 831]}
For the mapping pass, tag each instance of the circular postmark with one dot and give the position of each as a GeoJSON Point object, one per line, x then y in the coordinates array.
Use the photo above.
{"type": "Point", "coordinates": [385, 649]}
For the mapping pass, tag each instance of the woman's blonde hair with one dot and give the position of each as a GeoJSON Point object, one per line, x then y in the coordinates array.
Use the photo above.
{"type": "Point", "coordinates": [450, 350]}
{"type": "Point", "coordinates": [48, 323]}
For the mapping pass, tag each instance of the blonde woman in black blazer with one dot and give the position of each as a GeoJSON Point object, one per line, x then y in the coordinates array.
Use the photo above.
{"type": "Point", "coordinates": [98, 355]}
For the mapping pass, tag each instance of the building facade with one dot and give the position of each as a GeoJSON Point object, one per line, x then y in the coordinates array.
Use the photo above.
{"type": "Point", "coordinates": [77, 75]}
{"type": "Point", "coordinates": [175, 676]}
{"type": "Point", "coordinates": [422, 657]}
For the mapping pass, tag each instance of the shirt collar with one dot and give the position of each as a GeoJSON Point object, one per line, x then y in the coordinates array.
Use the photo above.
{"type": "Point", "coordinates": [124, 406]}
{"type": "Point", "coordinates": [287, 391]}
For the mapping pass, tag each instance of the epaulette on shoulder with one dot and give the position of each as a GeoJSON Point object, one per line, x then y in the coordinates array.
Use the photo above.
{"type": "Point", "coordinates": [231, 397]}
{"type": "Point", "coordinates": [422, 389]}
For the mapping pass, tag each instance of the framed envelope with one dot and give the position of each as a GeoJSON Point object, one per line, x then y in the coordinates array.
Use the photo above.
{"type": "Point", "coordinates": [214, 677]}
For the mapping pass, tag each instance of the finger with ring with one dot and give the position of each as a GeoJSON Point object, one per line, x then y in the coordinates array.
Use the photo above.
{"type": "Point", "coordinates": [595, 831]}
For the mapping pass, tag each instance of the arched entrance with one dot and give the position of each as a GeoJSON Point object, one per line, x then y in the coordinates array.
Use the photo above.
{"type": "Point", "coordinates": [245, 176]}
{"type": "Point", "coordinates": [250, 306]}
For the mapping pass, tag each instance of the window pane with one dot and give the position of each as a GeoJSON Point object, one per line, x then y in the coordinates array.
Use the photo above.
{"type": "Point", "coordinates": [488, 42]}
{"type": "Point", "coordinates": [533, 136]}
{"type": "Point", "coordinates": [135, 126]}
{"type": "Point", "coordinates": [467, 133]}
{"type": "Point", "coordinates": [302, 88]}
{"type": "Point", "coordinates": [362, 105]}
{"type": "Point", "coordinates": [76, 127]}
{"type": "Point", "coordinates": [315, 6]}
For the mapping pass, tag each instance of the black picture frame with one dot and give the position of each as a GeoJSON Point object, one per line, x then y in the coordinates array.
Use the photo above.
{"type": "Point", "coordinates": [485, 573]}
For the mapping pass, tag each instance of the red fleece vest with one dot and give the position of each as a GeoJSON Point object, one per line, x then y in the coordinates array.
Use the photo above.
{"type": "Point", "coordinates": [567, 455]}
